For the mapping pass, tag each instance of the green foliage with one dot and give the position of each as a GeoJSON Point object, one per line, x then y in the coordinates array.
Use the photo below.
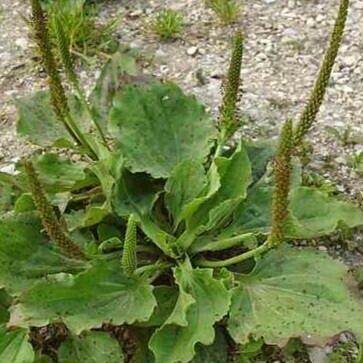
{"type": "Point", "coordinates": [85, 301]}
{"type": "Point", "coordinates": [91, 347]}
{"type": "Point", "coordinates": [357, 163]}
{"type": "Point", "coordinates": [292, 293]}
{"type": "Point", "coordinates": [197, 220]}
{"type": "Point", "coordinates": [14, 346]}
{"type": "Point", "coordinates": [83, 36]}
{"type": "Point", "coordinates": [202, 301]}
{"type": "Point", "coordinates": [227, 11]}
{"type": "Point", "coordinates": [168, 24]}
{"type": "Point", "coordinates": [160, 117]}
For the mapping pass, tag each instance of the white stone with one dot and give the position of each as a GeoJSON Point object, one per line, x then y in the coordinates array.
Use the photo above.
{"type": "Point", "coordinates": [192, 51]}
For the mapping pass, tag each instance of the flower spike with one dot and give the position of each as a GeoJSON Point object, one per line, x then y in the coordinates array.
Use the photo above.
{"type": "Point", "coordinates": [317, 95]}
{"type": "Point", "coordinates": [49, 219]}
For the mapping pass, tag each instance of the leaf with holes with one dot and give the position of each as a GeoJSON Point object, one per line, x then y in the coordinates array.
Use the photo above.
{"type": "Point", "coordinates": [294, 293]}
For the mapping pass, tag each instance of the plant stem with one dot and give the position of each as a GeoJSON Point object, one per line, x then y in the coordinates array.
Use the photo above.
{"type": "Point", "coordinates": [222, 244]}
{"type": "Point", "coordinates": [203, 262]}
{"type": "Point", "coordinates": [66, 57]}
{"type": "Point", "coordinates": [185, 240]}
{"type": "Point", "coordinates": [80, 136]}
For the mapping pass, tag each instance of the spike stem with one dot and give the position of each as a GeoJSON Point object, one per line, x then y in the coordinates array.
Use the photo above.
{"type": "Point", "coordinates": [63, 47]}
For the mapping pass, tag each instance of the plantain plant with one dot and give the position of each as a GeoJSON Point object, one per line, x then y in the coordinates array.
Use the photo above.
{"type": "Point", "coordinates": [154, 236]}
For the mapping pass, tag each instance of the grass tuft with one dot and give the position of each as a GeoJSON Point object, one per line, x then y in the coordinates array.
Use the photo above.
{"type": "Point", "coordinates": [227, 11]}
{"type": "Point", "coordinates": [168, 24]}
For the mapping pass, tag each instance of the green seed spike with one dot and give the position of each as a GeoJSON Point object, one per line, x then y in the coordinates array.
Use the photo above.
{"type": "Point", "coordinates": [63, 47]}
{"type": "Point", "coordinates": [317, 95]}
{"type": "Point", "coordinates": [50, 221]}
{"type": "Point", "coordinates": [282, 173]}
{"type": "Point", "coordinates": [129, 257]}
{"type": "Point", "coordinates": [58, 97]}
{"type": "Point", "coordinates": [57, 93]}
{"type": "Point", "coordinates": [228, 122]}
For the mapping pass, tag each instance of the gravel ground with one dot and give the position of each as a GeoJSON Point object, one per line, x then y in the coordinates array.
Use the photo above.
{"type": "Point", "coordinates": [285, 41]}
{"type": "Point", "coordinates": [284, 45]}
{"type": "Point", "coordinates": [283, 48]}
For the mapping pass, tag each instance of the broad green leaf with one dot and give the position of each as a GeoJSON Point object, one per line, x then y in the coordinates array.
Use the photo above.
{"type": "Point", "coordinates": [88, 217]}
{"type": "Point", "coordinates": [315, 214]}
{"type": "Point", "coordinates": [294, 293]}
{"type": "Point", "coordinates": [254, 213]}
{"type": "Point", "coordinates": [158, 127]}
{"type": "Point", "coordinates": [113, 77]}
{"type": "Point", "coordinates": [235, 177]}
{"type": "Point", "coordinates": [166, 298]}
{"type": "Point", "coordinates": [26, 256]}
{"type": "Point", "coordinates": [135, 193]}
{"type": "Point", "coordinates": [14, 346]}
{"type": "Point", "coordinates": [58, 173]}
{"type": "Point", "coordinates": [99, 295]}
{"type": "Point", "coordinates": [157, 235]}
{"type": "Point", "coordinates": [90, 347]}
{"type": "Point", "coordinates": [260, 153]}
{"type": "Point", "coordinates": [186, 182]}
{"type": "Point", "coordinates": [214, 353]}
{"type": "Point", "coordinates": [312, 213]}
{"type": "Point", "coordinates": [38, 122]}
{"type": "Point", "coordinates": [202, 301]}
{"type": "Point", "coordinates": [212, 187]}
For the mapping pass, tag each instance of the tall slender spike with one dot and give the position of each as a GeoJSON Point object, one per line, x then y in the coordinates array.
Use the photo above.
{"type": "Point", "coordinates": [58, 97]}
{"type": "Point", "coordinates": [282, 173]}
{"type": "Point", "coordinates": [63, 47]}
{"type": "Point", "coordinates": [129, 257]}
{"type": "Point", "coordinates": [50, 221]}
{"type": "Point", "coordinates": [57, 93]}
{"type": "Point", "coordinates": [317, 95]}
{"type": "Point", "coordinates": [228, 122]}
